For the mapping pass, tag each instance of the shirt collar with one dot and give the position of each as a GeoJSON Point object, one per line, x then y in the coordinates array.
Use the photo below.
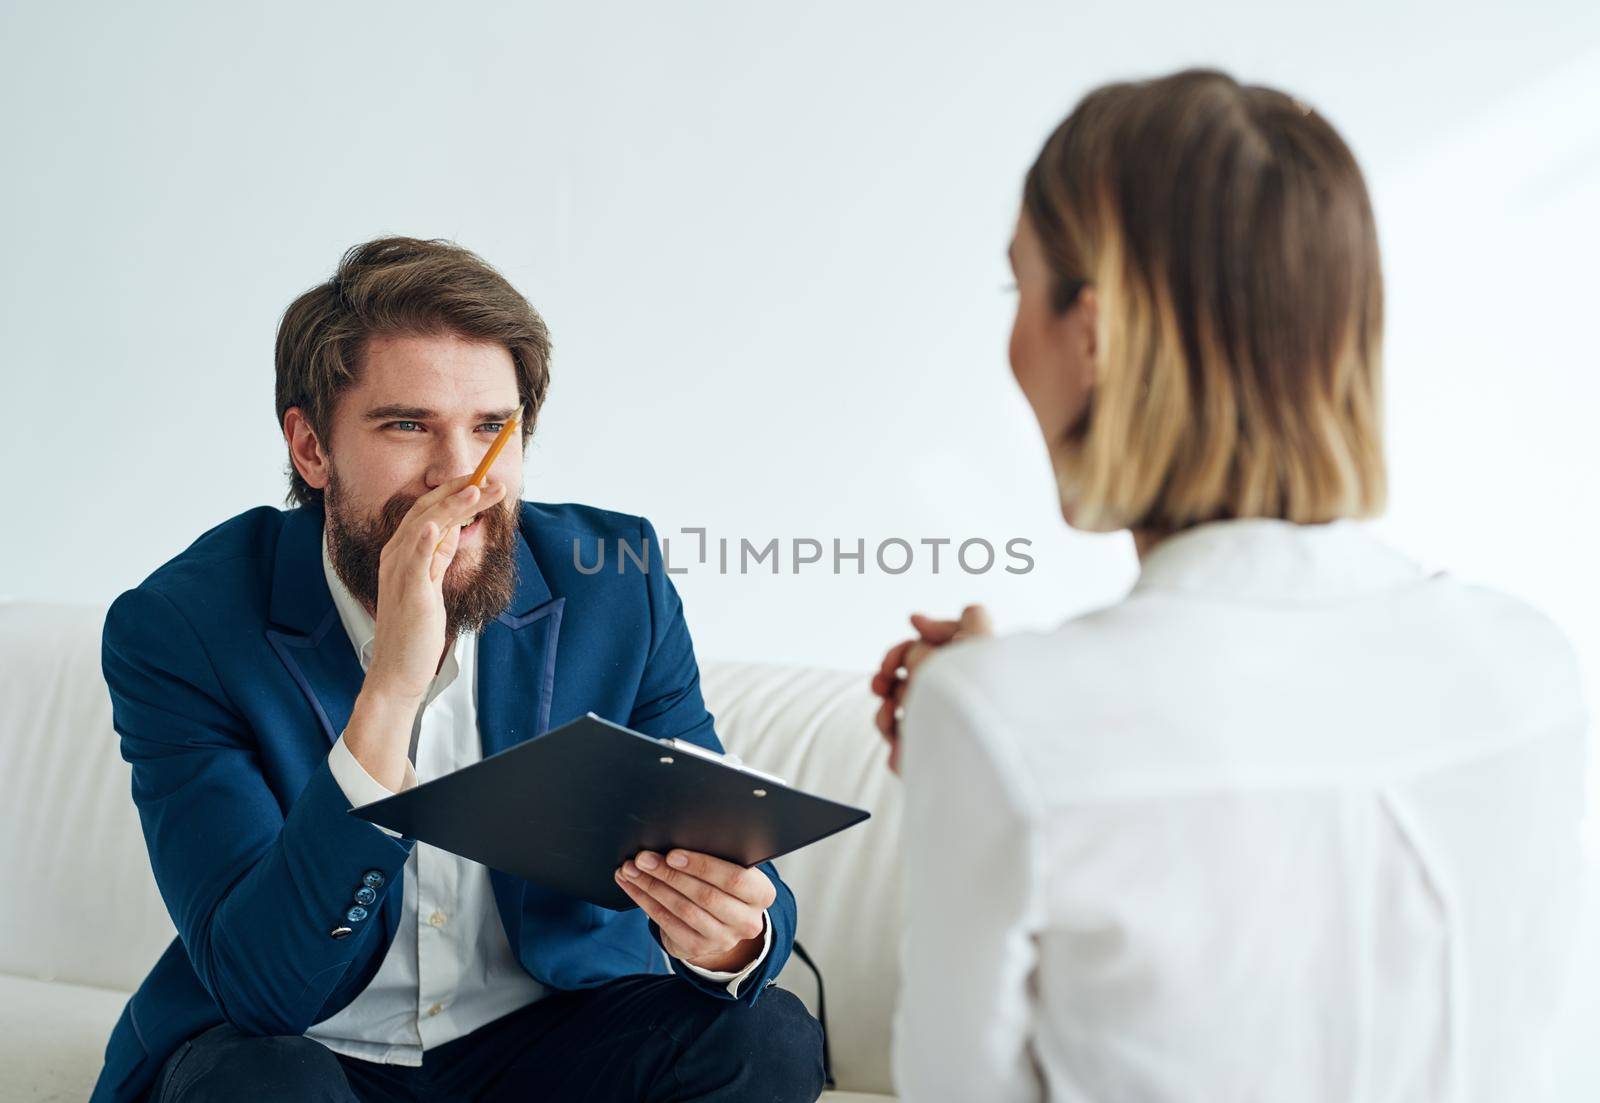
{"type": "Point", "coordinates": [363, 629]}
{"type": "Point", "coordinates": [1277, 562]}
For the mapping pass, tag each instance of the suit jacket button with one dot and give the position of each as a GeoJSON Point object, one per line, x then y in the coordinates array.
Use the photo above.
{"type": "Point", "coordinates": [339, 932]}
{"type": "Point", "coordinates": [364, 895]}
{"type": "Point", "coordinates": [373, 879]}
{"type": "Point", "coordinates": [355, 914]}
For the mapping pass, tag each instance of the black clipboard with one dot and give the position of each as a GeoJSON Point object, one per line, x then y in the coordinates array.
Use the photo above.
{"type": "Point", "coordinates": [566, 808]}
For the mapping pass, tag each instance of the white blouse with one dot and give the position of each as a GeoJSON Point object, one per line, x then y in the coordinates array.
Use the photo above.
{"type": "Point", "coordinates": [1294, 820]}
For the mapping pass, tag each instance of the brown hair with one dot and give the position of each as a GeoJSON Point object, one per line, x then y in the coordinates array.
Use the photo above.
{"type": "Point", "coordinates": [400, 286]}
{"type": "Point", "coordinates": [1228, 235]}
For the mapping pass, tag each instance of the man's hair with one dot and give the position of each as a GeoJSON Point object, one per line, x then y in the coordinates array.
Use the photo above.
{"type": "Point", "coordinates": [399, 287]}
{"type": "Point", "coordinates": [1228, 235]}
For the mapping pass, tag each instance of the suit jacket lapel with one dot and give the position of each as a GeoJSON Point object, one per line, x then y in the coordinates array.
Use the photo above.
{"type": "Point", "coordinates": [516, 653]}
{"type": "Point", "coordinates": [516, 681]}
{"type": "Point", "coordinates": [308, 636]}
{"type": "Point", "coordinates": [516, 658]}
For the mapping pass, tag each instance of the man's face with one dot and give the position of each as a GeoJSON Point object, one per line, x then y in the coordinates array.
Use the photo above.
{"type": "Point", "coordinates": [424, 411]}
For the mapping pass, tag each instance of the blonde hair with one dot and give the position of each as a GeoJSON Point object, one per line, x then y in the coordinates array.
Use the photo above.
{"type": "Point", "coordinates": [1228, 235]}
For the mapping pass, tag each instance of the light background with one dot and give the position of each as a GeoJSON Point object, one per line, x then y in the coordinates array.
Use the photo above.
{"type": "Point", "coordinates": [769, 241]}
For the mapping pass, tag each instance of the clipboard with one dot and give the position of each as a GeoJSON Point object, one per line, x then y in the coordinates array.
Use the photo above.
{"type": "Point", "coordinates": [566, 808]}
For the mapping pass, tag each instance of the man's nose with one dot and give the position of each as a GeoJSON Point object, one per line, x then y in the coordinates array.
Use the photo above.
{"type": "Point", "coordinates": [455, 453]}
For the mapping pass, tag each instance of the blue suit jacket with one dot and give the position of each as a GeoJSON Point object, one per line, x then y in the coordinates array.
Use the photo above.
{"type": "Point", "coordinates": [231, 675]}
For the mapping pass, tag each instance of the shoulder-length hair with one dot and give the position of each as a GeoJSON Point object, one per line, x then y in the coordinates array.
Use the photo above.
{"type": "Point", "coordinates": [1228, 235]}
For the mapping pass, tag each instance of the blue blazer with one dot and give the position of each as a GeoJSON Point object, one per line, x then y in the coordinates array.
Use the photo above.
{"type": "Point", "coordinates": [231, 675]}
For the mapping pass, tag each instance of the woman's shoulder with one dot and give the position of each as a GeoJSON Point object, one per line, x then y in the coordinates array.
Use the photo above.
{"type": "Point", "coordinates": [1502, 616]}
{"type": "Point", "coordinates": [1095, 653]}
{"type": "Point", "coordinates": [1013, 698]}
{"type": "Point", "coordinates": [1153, 638]}
{"type": "Point", "coordinates": [1505, 643]}
{"type": "Point", "coordinates": [1163, 692]}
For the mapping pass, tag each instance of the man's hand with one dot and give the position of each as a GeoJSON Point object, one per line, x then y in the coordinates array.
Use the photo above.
{"type": "Point", "coordinates": [901, 661]}
{"type": "Point", "coordinates": [711, 912]}
{"type": "Point", "coordinates": [410, 625]}
{"type": "Point", "coordinates": [410, 618]}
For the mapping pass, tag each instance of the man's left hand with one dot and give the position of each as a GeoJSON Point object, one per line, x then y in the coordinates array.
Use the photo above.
{"type": "Point", "coordinates": [711, 912]}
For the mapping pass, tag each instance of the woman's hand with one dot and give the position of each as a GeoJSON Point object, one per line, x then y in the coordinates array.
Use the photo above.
{"type": "Point", "coordinates": [901, 661]}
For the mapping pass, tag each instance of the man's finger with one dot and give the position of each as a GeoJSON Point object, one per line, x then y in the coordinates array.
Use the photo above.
{"type": "Point", "coordinates": [462, 506]}
{"type": "Point", "coordinates": [438, 514]}
{"type": "Point", "coordinates": [703, 922]}
{"type": "Point", "coordinates": [443, 490]}
{"type": "Point", "coordinates": [418, 514]}
{"type": "Point", "coordinates": [748, 885]}
{"type": "Point", "coordinates": [740, 919]}
{"type": "Point", "coordinates": [443, 552]}
{"type": "Point", "coordinates": [673, 929]}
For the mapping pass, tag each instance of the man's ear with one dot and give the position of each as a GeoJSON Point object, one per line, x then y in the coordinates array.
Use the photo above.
{"type": "Point", "coordinates": [305, 451]}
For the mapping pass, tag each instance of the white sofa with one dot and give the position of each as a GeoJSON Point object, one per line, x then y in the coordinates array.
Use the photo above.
{"type": "Point", "coordinates": [82, 921]}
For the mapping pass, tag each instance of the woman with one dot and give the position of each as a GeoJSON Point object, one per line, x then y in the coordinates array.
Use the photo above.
{"type": "Point", "coordinates": [1295, 820]}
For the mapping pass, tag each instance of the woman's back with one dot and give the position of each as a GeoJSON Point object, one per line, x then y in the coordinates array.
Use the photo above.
{"type": "Point", "coordinates": [1294, 820]}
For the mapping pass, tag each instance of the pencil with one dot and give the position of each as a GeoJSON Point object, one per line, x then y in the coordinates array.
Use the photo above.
{"type": "Point", "coordinates": [489, 457]}
{"type": "Point", "coordinates": [494, 449]}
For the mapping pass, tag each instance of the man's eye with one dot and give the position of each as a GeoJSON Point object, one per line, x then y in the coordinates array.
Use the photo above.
{"type": "Point", "coordinates": [491, 426]}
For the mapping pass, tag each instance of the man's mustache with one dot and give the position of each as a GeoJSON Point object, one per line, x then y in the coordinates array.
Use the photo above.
{"type": "Point", "coordinates": [395, 509]}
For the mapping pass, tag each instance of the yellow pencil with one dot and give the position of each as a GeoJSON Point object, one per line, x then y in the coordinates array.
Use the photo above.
{"type": "Point", "coordinates": [489, 457]}
{"type": "Point", "coordinates": [494, 449]}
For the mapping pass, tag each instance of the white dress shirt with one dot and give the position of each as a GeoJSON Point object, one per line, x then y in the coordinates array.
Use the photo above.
{"type": "Point", "coordinates": [450, 968]}
{"type": "Point", "coordinates": [1295, 820]}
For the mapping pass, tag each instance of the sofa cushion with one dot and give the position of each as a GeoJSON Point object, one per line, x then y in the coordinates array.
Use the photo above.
{"type": "Point", "coordinates": [84, 906]}
{"type": "Point", "coordinates": [53, 1038]}
{"type": "Point", "coordinates": [814, 728]}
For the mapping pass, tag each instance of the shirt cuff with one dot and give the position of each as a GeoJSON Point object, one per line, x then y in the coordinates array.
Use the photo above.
{"type": "Point", "coordinates": [734, 979]}
{"type": "Point", "coordinates": [360, 787]}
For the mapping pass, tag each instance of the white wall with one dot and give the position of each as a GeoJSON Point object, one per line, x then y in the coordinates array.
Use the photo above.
{"type": "Point", "coordinates": [769, 242]}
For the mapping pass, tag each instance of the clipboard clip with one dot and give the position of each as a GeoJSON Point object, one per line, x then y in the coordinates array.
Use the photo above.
{"type": "Point", "coordinates": [724, 759]}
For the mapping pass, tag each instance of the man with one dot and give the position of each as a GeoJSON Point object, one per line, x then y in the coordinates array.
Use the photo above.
{"type": "Point", "coordinates": [398, 624]}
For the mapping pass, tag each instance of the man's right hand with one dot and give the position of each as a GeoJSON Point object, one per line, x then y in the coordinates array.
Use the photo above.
{"type": "Point", "coordinates": [409, 642]}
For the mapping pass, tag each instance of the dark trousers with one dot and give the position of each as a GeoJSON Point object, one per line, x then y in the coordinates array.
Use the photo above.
{"type": "Point", "coordinates": [634, 1039]}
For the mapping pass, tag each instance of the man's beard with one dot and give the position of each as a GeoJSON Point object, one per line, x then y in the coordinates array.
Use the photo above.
{"type": "Point", "coordinates": [472, 597]}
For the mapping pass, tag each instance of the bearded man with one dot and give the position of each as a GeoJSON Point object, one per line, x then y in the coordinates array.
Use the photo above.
{"type": "Point", "coordinates": [396, 624]}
